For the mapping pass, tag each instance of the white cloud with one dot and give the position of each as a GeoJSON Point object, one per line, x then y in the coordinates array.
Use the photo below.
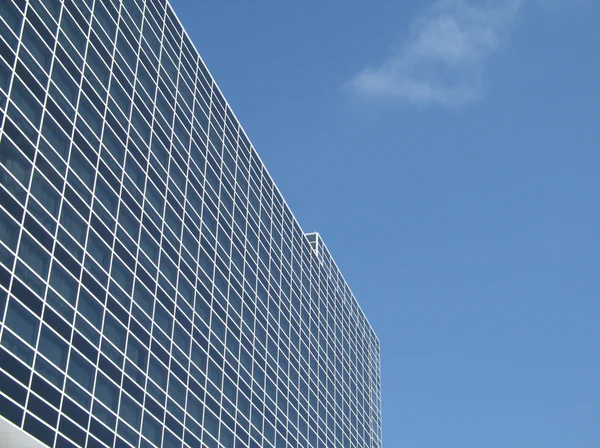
{"type": "Point", "coordinates": [442, 62]}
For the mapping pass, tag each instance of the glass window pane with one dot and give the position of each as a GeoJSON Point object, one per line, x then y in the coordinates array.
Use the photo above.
{"type": "Point", "coordinates": [130, 411]}
{"type": "Point", "coordinates": [53, 347]}
{"type": "Point", "coordinates": [45, 194]}
{"type": "Point", "coordinates": [33, 254]}
{"type": "Point", "coordinates": [15, 162]}
{"type": "Point", "coordinates": [22, 322]}
{"type": "Point", "coordinates": [115, 332]}
{"type": "Point", "coordinates": [107, 392]}
{"type": "Point", "coordinates": [90, 308]}
{"type": "Point", "coordinates": [11, 15]}
{"type": "Point", "coordinates": [9, 230]}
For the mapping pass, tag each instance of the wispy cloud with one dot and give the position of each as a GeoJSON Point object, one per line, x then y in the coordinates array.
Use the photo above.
{"type": "Point", "coordinates": [442, 62]}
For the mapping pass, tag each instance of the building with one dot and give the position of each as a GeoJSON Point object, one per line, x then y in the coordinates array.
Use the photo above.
{"type": "Point", "coordinates": [155, 288]}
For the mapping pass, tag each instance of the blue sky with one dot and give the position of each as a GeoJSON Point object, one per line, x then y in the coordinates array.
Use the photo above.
{"type": "Point", "coordinates": [448, 152]}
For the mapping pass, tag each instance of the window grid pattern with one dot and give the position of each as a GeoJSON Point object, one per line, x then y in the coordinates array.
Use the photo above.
{"type": "Point", "coordinates": [155, 288]}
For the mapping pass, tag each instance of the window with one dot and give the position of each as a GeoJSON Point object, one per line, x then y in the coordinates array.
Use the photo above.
{"type": "Point", "coordinates": [46, 194]}
{"type": "Point", "coordinates": [65, 83]}
{"type": "Point", "coordinates": [5, 70]}
{"type": "Point", "coordinates": [96, 58]}
{"type": "Point", "coordinates": [107, 392]}
{"type": "Point", "coordinates": [90, 308]}
{"type": "Point", "coordinates": [122, 275]}
{"type": "Point", "coordinates": [57, 139]}
{"type": "Point", "coordinates": [22, 322]}
{"type": "Point", "coordinates": [152, 429]}
{"type": "Point", "coordinates": [82, 167]}
{"type": "Point", "coordinates": [130, 411]}
{"type": "Point", "coordinates": [73, 32]}
{"type": "Point", "coordinates": [34, 255]}
{"type": "Point", "coordinates": [163, 319]}
{"type": "Point", "coordinates": [157, 372]}
{"type": "Point", "coordinates": [137, 353]}
{"type": "Point", "coordinates": [53, 347]}
{"type": "Point", "coordinates": [15, 163]}
{"type": "Point", "coordinates": [143, 298]}
{"type": "Point", "coordinates": [181, 339]}
{"type": "Point", "coordinates": [36, 46]}
{"type": "Point", "coordinates": [115, 332]}
{"type": "Point", "coordinates": [211, 424]}
{"type": "Point", "coordinates": [113, 143]}
{"type": "Point", "coordinates": [73, 223]}
{"type": "Point", "coordinates": [98, 250]}
{"type": "Point", "coordinates": [105, 16]}
{"type": "Point", "coordinates": [11, 15]}
{"type": "Point", "coordinates": [177, 391]}
{"type": "Point", "coordinates": [107, 196]}
{"type": "Point", "coordinates": [9, 230]}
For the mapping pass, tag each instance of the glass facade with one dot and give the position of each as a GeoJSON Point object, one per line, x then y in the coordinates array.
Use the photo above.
{"type": "Point", "coordinates": [155, 288]}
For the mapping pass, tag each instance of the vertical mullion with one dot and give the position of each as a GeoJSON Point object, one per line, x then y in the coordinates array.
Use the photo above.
{"type": "Point", "coordinates": [154, 325]}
